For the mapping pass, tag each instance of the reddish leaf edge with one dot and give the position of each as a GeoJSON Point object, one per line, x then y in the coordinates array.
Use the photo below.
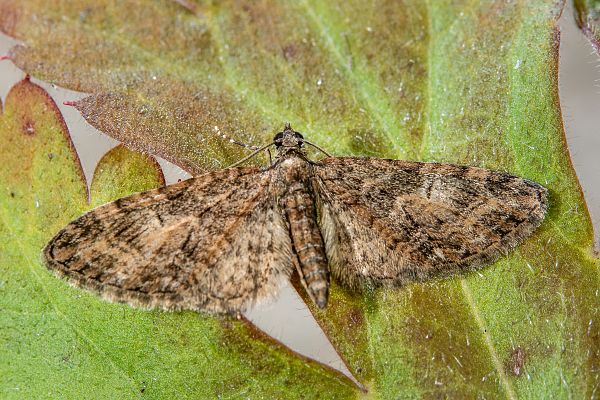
{"type": "Point", "coordinates": [51, 104]}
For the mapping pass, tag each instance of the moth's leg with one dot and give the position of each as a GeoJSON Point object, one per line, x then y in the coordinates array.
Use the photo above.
{"type": "Point", "coordinates": [270, 166]}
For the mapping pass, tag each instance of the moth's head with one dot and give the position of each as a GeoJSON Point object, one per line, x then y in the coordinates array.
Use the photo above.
{"type": "Point", "coordinates": [288, 138]}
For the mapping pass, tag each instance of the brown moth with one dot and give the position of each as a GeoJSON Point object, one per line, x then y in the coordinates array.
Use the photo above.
{"type": "Point", "coordinates": [222, 241]}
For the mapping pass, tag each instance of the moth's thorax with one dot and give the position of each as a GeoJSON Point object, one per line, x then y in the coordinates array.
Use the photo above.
{"type": "Point", "coordinates": [294, 167]}
{"type": "Point", "coordinates": [296, 199]}
{"type": "Point", "coordinates": [285, 152]}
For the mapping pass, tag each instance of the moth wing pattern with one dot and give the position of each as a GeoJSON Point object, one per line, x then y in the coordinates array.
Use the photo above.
{"type": "Point", "coordinates": [390, 222]}
{"type": "Point", "coordinates": [214, 243]}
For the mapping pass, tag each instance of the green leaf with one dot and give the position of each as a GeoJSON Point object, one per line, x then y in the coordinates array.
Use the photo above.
{"type": "Point", "coordinates": [458, 81]}
{"type": "Point", "coordinates": [61, 342]}
{"type": "Point", "coordinates": [587, 15]}
{"type": "Point", "coordinates": [122, 171]}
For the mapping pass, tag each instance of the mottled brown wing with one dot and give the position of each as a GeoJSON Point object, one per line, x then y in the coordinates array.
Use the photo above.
{"type": "Point", "coordinates": [392, 222]}
{"type": "Point", "coordinates": [214, 243]}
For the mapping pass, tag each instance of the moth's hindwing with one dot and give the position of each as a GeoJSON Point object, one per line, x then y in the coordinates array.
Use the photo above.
{"type": "Point", "coordinates": [391, 222]}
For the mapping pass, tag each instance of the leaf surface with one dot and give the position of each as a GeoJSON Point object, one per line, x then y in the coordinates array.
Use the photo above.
{"type": "Point", "coordinates": [457, 81]}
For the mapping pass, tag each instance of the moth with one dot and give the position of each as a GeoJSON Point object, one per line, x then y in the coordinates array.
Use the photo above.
{"type": "Point", "coordinates": [223, 241]}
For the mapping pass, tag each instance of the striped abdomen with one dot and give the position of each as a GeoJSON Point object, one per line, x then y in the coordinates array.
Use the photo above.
{"type": "Point", "coordinates": [298, 204]}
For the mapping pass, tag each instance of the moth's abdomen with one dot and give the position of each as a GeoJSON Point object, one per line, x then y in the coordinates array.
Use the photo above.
{"type": "Point", "coordinates": [298, 204]}
{"type": "Point", "coordinates": [308, 243]}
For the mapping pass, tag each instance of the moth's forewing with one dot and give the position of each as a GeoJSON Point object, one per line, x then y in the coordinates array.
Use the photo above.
{"type": "Point", "coordinates": [213, 243]}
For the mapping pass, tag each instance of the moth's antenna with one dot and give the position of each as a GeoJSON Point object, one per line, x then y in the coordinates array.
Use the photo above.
{"type": "Point", "coordinates": [231, 140]}
{"type": "Point", "coordinates": [255, 152]}
{"type": "Point", "coordinates": [316, 147]}
{"type": "Point", "coordinates": [244, 145]}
